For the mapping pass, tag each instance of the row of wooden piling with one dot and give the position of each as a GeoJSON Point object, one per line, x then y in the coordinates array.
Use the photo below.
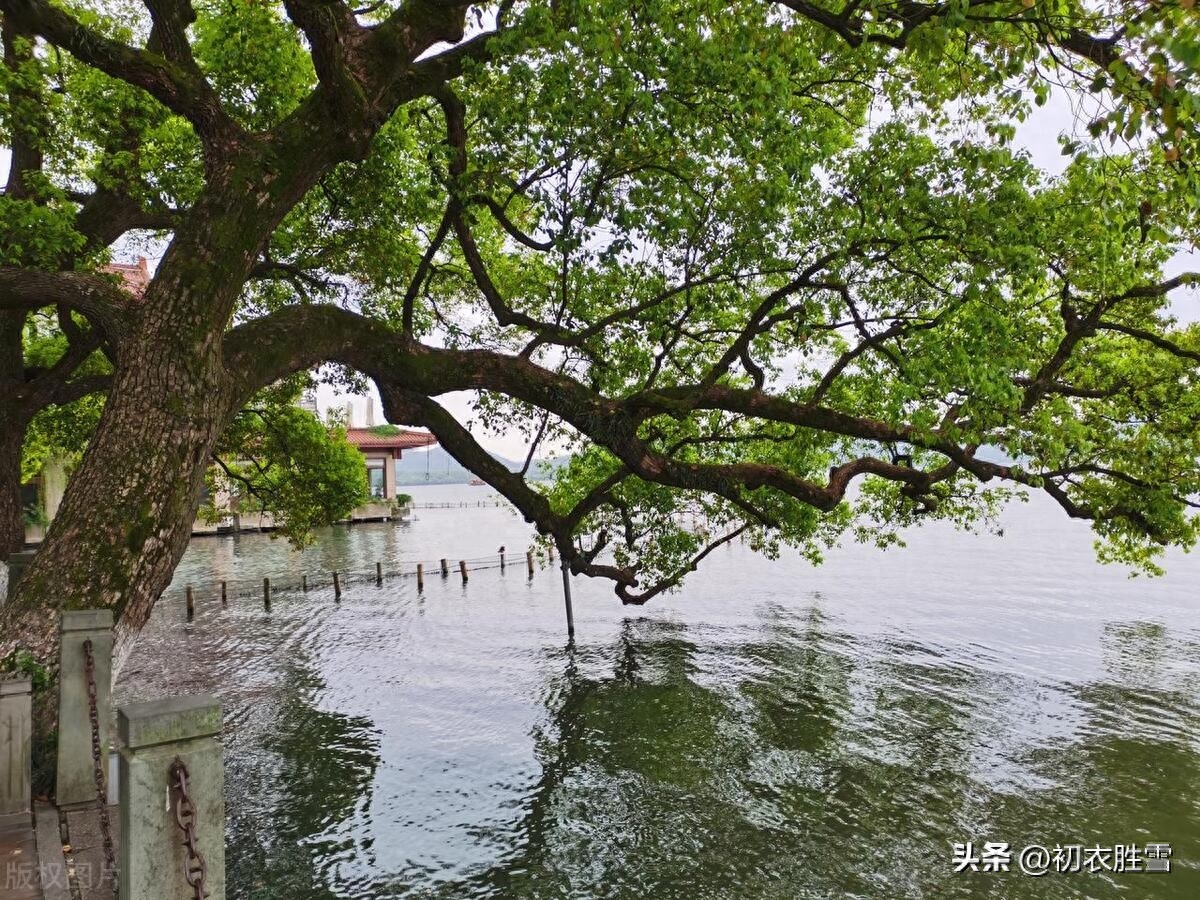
{"type": "Point", "coordinates": [379, 577]}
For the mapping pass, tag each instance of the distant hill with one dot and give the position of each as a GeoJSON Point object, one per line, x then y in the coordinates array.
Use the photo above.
{"type": "Point", "coordinates": [436, 466]}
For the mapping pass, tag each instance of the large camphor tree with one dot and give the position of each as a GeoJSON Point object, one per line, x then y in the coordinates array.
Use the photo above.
{"type": "Point", "coordinates": [772, 266]}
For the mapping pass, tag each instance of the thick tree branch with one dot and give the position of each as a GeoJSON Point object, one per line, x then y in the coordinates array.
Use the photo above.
{"type": "Point", "coordinates": [78, 388]}
{"type": "Point", "coordinates": [179, 86]}
{"type": "Point", "coordinates": [1150, 337]}
{"type": "Point", "coordinates": [334, 37]}
{"type": "Point", "coordinates": [95, 296]}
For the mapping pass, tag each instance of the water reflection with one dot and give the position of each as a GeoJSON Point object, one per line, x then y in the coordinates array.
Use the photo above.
{"type": "Point", "coordinates": [782, 745]}
{"type": "Point", "coordinates": [297, 774]}
{"type": "Point", "coordinates": [811, 776]}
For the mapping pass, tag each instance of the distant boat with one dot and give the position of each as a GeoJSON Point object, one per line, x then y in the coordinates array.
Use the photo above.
{"type": "Point", "coordinates": [475, 482]}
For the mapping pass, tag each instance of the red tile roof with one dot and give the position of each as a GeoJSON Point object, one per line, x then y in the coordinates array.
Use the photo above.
{"type": "Point", "coordinates": [366, 439]}
{"type": "Point", "coordinates": [135, 277]}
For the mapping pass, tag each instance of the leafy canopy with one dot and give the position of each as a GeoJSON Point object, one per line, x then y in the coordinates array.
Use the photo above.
{"type": "Point", "coordinates": [775, 267]}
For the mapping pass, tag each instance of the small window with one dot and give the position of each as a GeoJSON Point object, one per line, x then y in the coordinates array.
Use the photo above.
{"type": "Point", "coordinates": [375, 479]}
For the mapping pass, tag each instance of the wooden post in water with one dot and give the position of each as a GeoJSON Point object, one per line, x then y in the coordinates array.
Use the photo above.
{"type": "Point", "coordinates": [337, 587]}
{"type": "Point", "coordinates": [501, 560]}
{"type": "Point", "coordinates": [378, 573]}
{"type": "Point", "coordinates": [462, 567]}
{"type": "Point", "coordinates": [191, 604]}
{"type": "Point", "coordinates": [566, 570]}
{"type": "Point", "coordinates": [223, 598]}
{"type": "Point", "coordinates": [529, 562]}
{"type": "Point", "coordinates": [420, 576]}
{"type": "Point", "coordinates": [267, 594]}
{"type": "Point", "coordinates": [304, 583]}
{"type": "Point", "coordinates": [445, 569]}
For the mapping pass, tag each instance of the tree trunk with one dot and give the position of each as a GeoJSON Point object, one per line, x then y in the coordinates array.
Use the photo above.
{"type": "Point", "coordinates": [12, 431]}
{"type": "Point", "coordinates": [127, 513]}
{"type": "Point", "coordinates": [12, 517]}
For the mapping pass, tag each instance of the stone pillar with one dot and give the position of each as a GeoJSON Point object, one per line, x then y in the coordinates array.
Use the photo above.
{"type": "Point", "coordinates": [17, 564]}
{"type": "Point", "coordinates": [153, 735]}
{"type": "Point", "coordinates": [76, 784]}
{"type": "Point", "coordinates": [16, 739]}
{"type": "Point", "coordinates": [389, 474]}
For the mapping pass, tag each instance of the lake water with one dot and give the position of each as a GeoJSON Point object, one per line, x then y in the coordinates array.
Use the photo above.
{"type": "Point", "coordinates": [774, 730]}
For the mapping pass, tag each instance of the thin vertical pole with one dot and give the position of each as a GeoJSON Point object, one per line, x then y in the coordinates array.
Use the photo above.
{"type": "Point", "coordinates": [529, 562]}
{"type": "Point", "coordinates": [501, 560]}
{"type": "Point", "coordinates": [566, 570]}
{"type": "Point", "coordinates": [191, 603]}
{"type": "Point", "coordinates": [378, 573]}
{"type": "Point", "coordinates": [267, 594]}
{"type": "Point", "coordinates": [462, 567]}
{"type": "Point", "coordinates": [304, 583]}
{"type": "Point", "coordinates": [420, 576]}
{"type": "Point", "coordinates": [223, 598]}
{"type": "Point", "coordinates": [337, 587]}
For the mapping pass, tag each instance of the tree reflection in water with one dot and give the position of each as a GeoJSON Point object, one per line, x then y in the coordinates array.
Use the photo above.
{"type": "Point", "coordinates": [309, 771]}
{"type": "Point", "coordinates": [823, 768]}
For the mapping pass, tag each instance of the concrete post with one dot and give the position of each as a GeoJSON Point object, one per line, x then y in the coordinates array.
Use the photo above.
{"type": "Point", "coordinates": [76, 784]}
{"type": "Point", "coordinates": [17, 564]}
{"type": "Point", "coordinates": [16, 739]}
{"type": "Point", "coordinates": [153, 856]}
{"type": "Point", "coordinates": [389, 475]}
{"type": "Point", "coordinates": [529, 562]}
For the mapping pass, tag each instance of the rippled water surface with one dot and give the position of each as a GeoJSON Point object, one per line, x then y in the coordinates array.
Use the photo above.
{"type": "Point", "coordinates": [772, 731]}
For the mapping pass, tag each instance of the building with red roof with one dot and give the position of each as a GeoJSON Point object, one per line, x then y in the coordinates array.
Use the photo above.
{"type": "Point", "coordinates": [383, 445]}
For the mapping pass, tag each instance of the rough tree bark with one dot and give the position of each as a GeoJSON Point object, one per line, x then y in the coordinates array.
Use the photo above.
{"type": "Point", "coordinates": [126, 515]}
{"type": "Point", "coordinates": [12, 515]}
{"type": "Point", "coordinates": [12, 430]}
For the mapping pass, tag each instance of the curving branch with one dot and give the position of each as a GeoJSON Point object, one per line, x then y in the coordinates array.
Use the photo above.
{"type": "Point", "coordinates": [95, 296]}
{"type": "Point", "coordinates": [409, 374]}
{"type": "Point", "coordinates": [177, 82]}
{"type": "Point", "coordinates": [1150, 337]}
{"type": "Point", "coordinates": [334, 38]}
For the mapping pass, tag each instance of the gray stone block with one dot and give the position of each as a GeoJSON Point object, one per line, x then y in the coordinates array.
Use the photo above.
{"type": "Point", "coordinates": [51, 861]}
{"type": "Point", "coordinates": [169, 720]}
{"type": "Point", "coordinates": [76, 782]}
{"type": "Point", "coordinates": [154, 735]}
{"type": "Point", "coordinates": [16, 742]}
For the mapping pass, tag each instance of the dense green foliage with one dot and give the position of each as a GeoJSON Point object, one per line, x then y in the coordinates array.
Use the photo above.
{"type": "Point", "coordinates": [779, 268]}
{"type": "Point", "coordinates": [279, 459]}
{"type": "Point", "coordinates": [59, 431]}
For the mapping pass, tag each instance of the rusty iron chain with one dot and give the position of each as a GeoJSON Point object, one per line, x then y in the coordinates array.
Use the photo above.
{"type": "Point", "coordinates": [110, 856]}
{"type": "Point", "coordinates": [195, 869]}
